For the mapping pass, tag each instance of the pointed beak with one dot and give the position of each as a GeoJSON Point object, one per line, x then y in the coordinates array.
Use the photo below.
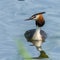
{"type": "Point", "coordinates": [28, 19]}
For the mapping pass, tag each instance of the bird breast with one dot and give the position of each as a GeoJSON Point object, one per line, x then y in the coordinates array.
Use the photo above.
{"type": "Point", "coordinates": [37, 35]}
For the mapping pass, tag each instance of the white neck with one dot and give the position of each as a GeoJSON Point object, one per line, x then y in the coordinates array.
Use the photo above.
{"type": "Point", "coordinates": [37, 36]}
{"type": "Point", "coordinates": [38, 29]}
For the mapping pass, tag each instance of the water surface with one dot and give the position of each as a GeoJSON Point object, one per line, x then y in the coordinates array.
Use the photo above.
{"type": "Point", "coordinates": [12, 26]}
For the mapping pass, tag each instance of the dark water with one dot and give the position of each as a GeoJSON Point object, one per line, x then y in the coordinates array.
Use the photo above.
{"type": "Point", "coordinates": [12, 26]}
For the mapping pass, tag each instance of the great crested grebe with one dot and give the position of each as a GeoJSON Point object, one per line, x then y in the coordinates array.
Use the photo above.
{"type": "Point", "coordinates": [36, 36]}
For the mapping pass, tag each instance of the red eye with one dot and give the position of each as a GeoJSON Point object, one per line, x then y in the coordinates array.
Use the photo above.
{"type": "Point", "coordinates": [33, 16]}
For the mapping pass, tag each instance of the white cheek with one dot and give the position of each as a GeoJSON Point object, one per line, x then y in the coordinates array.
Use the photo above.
{"type": "Point", "coordinates": [36, 17]}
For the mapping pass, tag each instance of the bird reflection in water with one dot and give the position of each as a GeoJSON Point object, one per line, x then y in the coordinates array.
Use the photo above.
{"type": "Point", "coordinates": [37, 36]}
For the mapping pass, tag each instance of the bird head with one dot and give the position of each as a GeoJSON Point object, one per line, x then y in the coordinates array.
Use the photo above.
{"type": "Point", "coordinates": [38, 17]}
